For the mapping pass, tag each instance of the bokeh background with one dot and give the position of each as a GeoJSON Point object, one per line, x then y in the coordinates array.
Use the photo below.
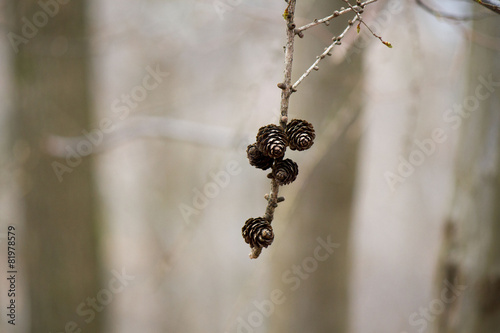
{"type": "Point", "coordinates": [123, 169]}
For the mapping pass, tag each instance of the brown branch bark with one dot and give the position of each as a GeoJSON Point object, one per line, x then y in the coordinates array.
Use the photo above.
{"type": "Point", "coordinates": [493, 5]}
{"type": "Point", "coordinates": [287, 82]}
{"type": "Point", "coordinates": [314, 66]}
{"type": "Point", "coordinates": [286, 92]}
{"type": "Point", "coordinates": [335, 14]}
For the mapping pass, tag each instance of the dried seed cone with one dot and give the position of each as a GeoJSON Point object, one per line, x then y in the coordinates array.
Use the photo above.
{"type": "Point", "coordinates": [300, 134]}
{"type": "Point", "coordinates": [285, 171]}
{"type": "Point", "coordinates": [272, 141]}
{"type": "Point", "coordinates": [258, 159]}
{"type": "Point", "coordinates": [258, 232]}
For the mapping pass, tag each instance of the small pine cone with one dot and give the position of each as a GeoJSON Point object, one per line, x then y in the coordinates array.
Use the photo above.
{"type": "Point", "coordinates": [271, 140]}
{"type": "Point", "coordinates": [300, 134]}
{"type": "Point", "coordinates": [258, 159]}
{"type": "Point", "coordinates": [258, 232]}
{"type": "Point", "coordinates": [285, 171]}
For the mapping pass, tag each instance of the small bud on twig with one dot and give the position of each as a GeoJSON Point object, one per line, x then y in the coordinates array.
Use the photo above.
{"type": "Point", "coordinates": [282, 86]}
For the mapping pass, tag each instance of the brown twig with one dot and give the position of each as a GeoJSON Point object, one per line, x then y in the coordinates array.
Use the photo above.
{"type": "Point", "coordinates": [441, 14]}
{"type": "Point", "coordinates": [493, 5]}
{"type": "Point", "coordinates": [286, 88]}
{"type": "Point", "coordinates": [272, 201]}
{"type": "Point", "coordinates": [286, 91]}
{"type": "Point", "coordinates": [360, 19]}
{"type": "Point", "coordinates": [386, 43]}
{"type": "Point", "coordinates": [335, 14]}
{"type": "Point", "coordinates": [314, 66]}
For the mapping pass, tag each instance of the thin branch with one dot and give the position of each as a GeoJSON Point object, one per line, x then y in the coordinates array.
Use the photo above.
{"type": "Point", "coordinates": [336, 41]}
{"type": "Point", "coordinates": [386, 43]}
{"type": "Point", "coordinates": [286, 91]}
{"type": "Point", "coordinates": [286, 85]}
{"type": "Point", "coordinates": [272, 201]}
{"type": "Point", "coordinates": [493, 5]}
{"type": "Point", "coordinates": [360, 19]}
{"type": "Point", "coordinates": [448, 16]}
{"type": "Point", "coordinates": [358, 15]}
{"type": "Point", "coordinates": [335, 14]}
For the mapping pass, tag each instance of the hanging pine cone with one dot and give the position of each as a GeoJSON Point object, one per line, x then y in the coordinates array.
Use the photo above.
{"type": "Point", "coordinates": [285, 171]}
{"type": "Point", "coordinates": [271, 140]}
{"type": "Point", "coordinates": [257, 232]}
{"type": "Point", "coordinates": [257, 158]}
{"type": "Point", "coordinates": [300, 134]}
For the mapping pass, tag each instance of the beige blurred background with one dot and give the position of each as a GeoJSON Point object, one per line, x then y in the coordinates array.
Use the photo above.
{"type": "Point", "coordinates": [123, 168]}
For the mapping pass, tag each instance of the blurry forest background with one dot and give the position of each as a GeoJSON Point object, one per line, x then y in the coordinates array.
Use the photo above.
{"type": "Point", "coordinates": [123, 128]}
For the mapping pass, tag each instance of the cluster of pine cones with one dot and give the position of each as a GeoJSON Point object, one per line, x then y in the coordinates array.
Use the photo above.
{"type": "Point", "coordinates": [268, 152]}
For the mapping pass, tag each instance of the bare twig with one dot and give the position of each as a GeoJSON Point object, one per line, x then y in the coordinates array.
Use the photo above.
{"type": "Point", "coordinates": [357, 11]}
{"type": "Point", "coordinates": [272, 201]}
{"type": "Point", "coordinates": [360, 19]}
{"type": "Point", "coordinates": [448, 16]}
{"type": "Point", "coordinates": [386, 43]}
{"type": "Point", "coordinates": [335, 14]}
{"type": "Point", "coordinates": [286, 91]}
{"type": "Point", "coordinates": [286, 85]}
{"type": "Point", "coordinates": [493, 5]}
{"type": "Point", "coordinates": [314, 66]}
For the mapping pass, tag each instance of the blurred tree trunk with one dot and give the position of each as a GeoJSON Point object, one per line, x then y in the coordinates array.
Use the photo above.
{"type": "Point", "coordinates": [470, 261]}
{"type": "Point", "coordinates": [52, 87]}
